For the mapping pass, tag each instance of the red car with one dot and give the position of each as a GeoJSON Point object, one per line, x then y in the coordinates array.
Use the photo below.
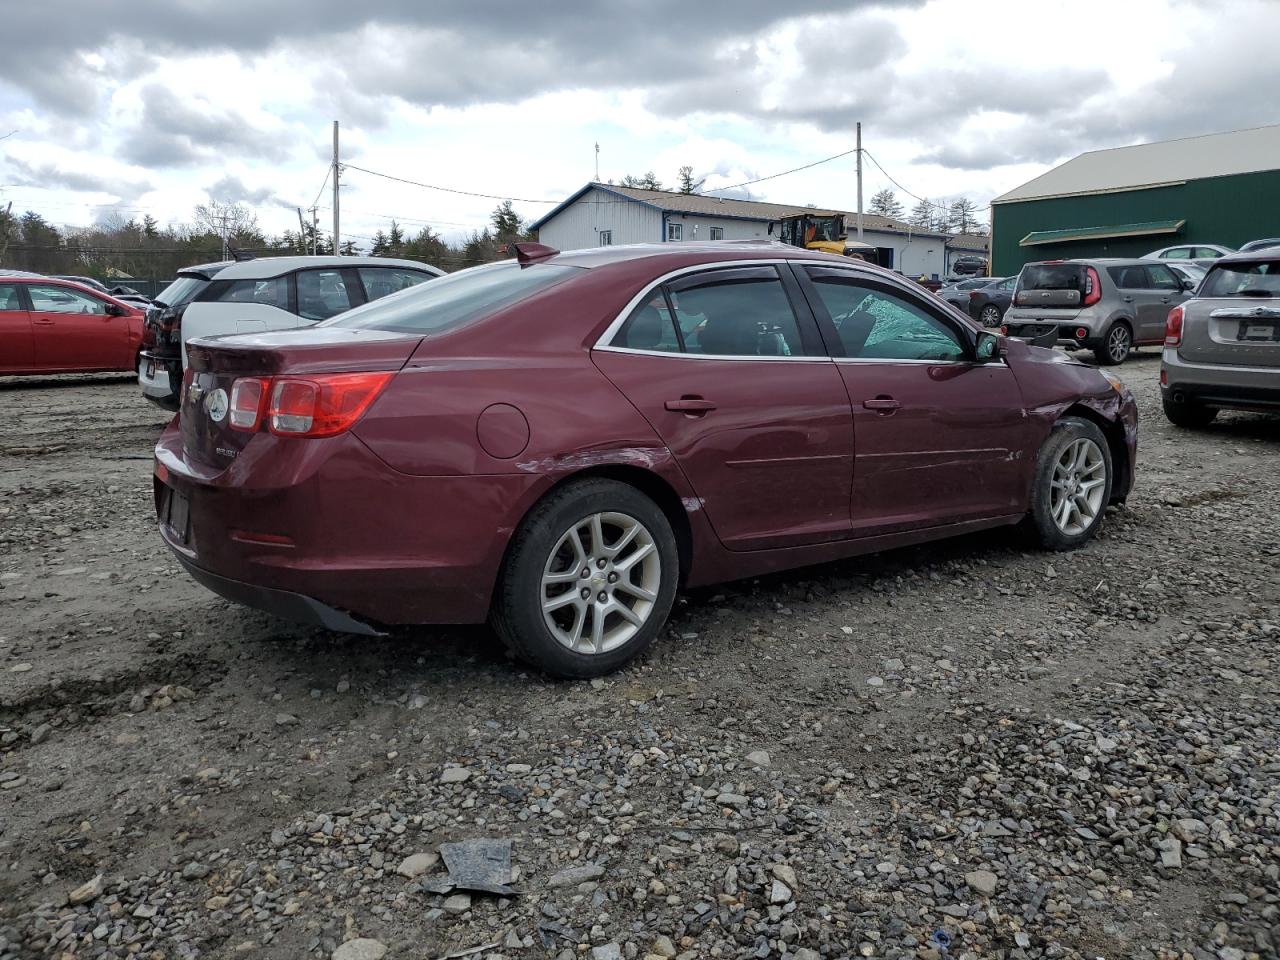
{"type": "Point", "coordinates": [55, 326]}
{"type": "Point", "coordinates": [557, 443]}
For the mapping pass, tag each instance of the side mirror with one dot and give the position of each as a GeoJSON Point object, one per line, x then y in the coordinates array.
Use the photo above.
{"type": "Point", "coordinates": [115, 310]}
{"type": "Point", "coordinates": [1188, 285]}
{"type": "Point", "coordinates": [989, 347]}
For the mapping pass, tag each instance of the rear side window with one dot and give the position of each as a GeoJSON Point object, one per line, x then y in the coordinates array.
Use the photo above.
{"type": "Point", "coordinates": [321, 294]}
{"type": "Point", "coordinates": [1052, 276]}
{"type": "Point", "coordinates": [1177, 253]}
{"type": "Point", "coordinates": [382, 281]}
{"type": "Point", "coordinates": [449, 302]}
{"type": "Point", "coordinates": [9, 299]}
{"type": "Point", "coordinates": [1260, 279]}
{"type": "Point", "coordinates": [736, 313]}
{"type": "Point", "coordinates": [651, 326]}
{"type": "Point", "coordinates": [273, 292]}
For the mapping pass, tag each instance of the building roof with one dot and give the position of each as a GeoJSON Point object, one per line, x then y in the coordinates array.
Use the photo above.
{"type": "Point", "coordinates": [669, 201]}
{"type": "Point", "coordinates": [1159, 164]}
{"type": "Point", "coordinates": [969, 241]}
{"type": "Point", "coordinates": [1147, 228]}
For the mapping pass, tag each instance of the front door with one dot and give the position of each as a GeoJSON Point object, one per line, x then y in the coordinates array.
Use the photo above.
{"type": "Point", "coordinates": [73, 330]}
{"type": "Point", "coordinates": [15, 331]}
{"type": "Point", "coordinates": [1164, 292]}
{"type": "Point", "coordinates": [740, 390]}
{"type": "Point", "coordinates": [937, 435]}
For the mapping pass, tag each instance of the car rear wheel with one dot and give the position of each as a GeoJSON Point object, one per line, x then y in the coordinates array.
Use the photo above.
{"type": "Point", "coordinates": [1115, 348]}
{"type": "Point", "coordinates": [1189, 414]}
{"type": "Point", "coordinates": [1072, 484]}
{"type": "Point", "coordinates": [589, 580]}
{"type": "Point", "coordinates": [990, 315]}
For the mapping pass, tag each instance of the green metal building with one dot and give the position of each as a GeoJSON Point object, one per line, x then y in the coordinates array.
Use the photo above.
{"type": "Point", "coordinates": [1222, 188]}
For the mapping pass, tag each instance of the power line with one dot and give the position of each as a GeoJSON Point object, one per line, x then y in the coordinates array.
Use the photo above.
{"type": "Point", "coordinates": [328, 173]}
{"type": "Point", "coordinates": [930, 203]}
{"type": "Point", "coordinates": [432, 186]}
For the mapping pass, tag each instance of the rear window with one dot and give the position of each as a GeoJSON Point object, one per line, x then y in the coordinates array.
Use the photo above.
{"type": "Point", "coordinates": [454, 300]}
{"type": "Point", "coordinates": [1052, 276]}
{"type": "Point", "coordinates": [1261, 279]}
{"type": "Point", "coordinates": [182, 290]}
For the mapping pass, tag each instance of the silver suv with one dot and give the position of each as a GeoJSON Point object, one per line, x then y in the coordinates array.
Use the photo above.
{"type": "Point", "coordinates": [1107, 306]}
{"type": "Point", "coordinates": [1222, 349]}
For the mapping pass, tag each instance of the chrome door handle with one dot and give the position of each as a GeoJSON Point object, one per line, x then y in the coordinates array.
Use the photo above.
{"type": "Point", "coordinates": [694, 406]}
{"type": "Point", "coordinates": [1127, 299]}
{"type": "Point", "coordinates": [886, 404]}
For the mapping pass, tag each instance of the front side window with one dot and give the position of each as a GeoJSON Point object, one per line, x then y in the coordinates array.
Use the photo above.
{"type": "Point", "coordinates": [321, 294]}
{"type": "Point", "coordinates": [675, 231]}
{"type": "Point", "coordinates": [1132, 277]}
{"type": "Point", "coordinates": [50, 299]}
{"type": "Point", "coordinates": [459, 298]}
{"type": "Point", "coordinates": [273, 292]}
{"type": "Point", "coordinates": [9, 299]}
{"type": "Point", "coordinates": [1162, 278]}
{"type": "Point", "coordinates": [1208, 253]}
{"type": "Point", "coordinates": [606, 238]}
{"type": "Point", "coordinates": [717, 233]}
{"type": "Point", "coordinates": [874, 324]}
{"type": "Point", "coordinates": [1176, 253]}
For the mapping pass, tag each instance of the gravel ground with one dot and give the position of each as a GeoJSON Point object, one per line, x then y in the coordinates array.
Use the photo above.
{"type": "Point", "coordinates": [962, 750]}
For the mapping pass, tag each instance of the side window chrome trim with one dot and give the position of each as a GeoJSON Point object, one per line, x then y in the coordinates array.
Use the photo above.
{"type": "Point", "coordinates": [711, 356]}
{"type": "Point", "coordinates": [604, 340]}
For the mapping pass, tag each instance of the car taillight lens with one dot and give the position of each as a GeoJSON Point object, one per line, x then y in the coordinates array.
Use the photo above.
{"type": "Point", "coordinates": [322, 405]}
{"type": "Point", "coordinates": [1173, 327]}
{"type": "Point", "coordinates": [1092, 287]}
{"type": "Point", "coordinates": [1004, 329]}
{"type": "Point", "coordinates": [247, 395]}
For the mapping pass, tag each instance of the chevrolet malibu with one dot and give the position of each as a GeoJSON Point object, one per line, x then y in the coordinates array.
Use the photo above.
{"type": "Point", "coordinates": [560, 442]}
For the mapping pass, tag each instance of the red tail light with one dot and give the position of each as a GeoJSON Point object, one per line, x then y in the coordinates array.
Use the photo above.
{"type": "Point", "coordinates": [1173, 327]}
{"type": "Point", "coordinates": [247, 395]}
{"type": "Point", "coordinates": [1004, 329]}
{"type": "Point", "coordinates": [322, 405]}
{"type": "Point", "coordinates": [1081, 333]}
{"type": "Point", "coordinates": [1092, 287]}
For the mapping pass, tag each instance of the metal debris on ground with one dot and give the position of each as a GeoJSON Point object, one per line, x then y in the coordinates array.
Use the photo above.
{"type": "Point", "coordinates": [482, 866]}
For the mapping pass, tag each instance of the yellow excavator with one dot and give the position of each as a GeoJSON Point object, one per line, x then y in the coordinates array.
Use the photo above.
{"type": "Point", "coordinates": [825, 232]}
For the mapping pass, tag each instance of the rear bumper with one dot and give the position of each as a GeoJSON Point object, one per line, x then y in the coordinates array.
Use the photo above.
{"type": "Point", "coordinates": [1046, 334]}
{"type": "Point", "coordinates": [282, 603]}
{"type": "Point", "coordinates": [160, 378]}
{"type": "Point", "coordinates": [1218, 385]}
{"type": "Point", "coordinates": [323, 531]}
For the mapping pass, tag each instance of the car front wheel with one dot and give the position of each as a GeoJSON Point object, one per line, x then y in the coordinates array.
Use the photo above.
{"type": "Point", "coordinates": [990, 315]}
{"type": "Point", "coordinates": [1072, 484]}
{"type": "Point", "coordinates": [589, 580]}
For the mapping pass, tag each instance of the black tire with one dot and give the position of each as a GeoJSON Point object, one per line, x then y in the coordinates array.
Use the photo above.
{"type": "Point", "coordinates": [1189, 414]}
{"type": "Point", "coordinates": [1115, 346]}
{"type": "Point", "coordinates": [990, 315]}
{"type": "Point", "coordinates": [517, 615]}
{"type": "Point", "coordinates": [1040, 518]}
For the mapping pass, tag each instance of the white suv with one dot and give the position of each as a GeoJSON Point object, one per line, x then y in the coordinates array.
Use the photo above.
{"type": "Point", "coordinates": [283, 293]}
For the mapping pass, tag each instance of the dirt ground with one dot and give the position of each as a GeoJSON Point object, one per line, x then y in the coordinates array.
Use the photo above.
{"type": "Point", "coordinates": [966, 749]}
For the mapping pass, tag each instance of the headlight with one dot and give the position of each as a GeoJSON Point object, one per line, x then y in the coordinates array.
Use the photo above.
{"type": "Point", "coordinates": [1116, 383]}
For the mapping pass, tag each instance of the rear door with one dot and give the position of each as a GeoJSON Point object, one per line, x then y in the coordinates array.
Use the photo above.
{"type": "Point", "coordinates": [741, 391]}
{"type": "Point", "coordinates": [16, 351]}
{"type": "Point", "coordinates": [938, 436]}
{"type": "Point", "coordinates": [72, 330]}
{"type": "Point", "coordinates": [1236, 318]}
{"type": "Point", "coordinates": [1050, 291]}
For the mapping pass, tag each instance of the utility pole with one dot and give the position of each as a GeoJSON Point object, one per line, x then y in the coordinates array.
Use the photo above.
{"type": "Point", "coordinates": [302, 232]}
{"type": "Point", "coordinates": [597, 161]}
{"type": "Point", "coordinates": [859, 180]}
{"type": "Point", "coordinates": [315, 230]}
{"type": "Point", "coordinates": [337, 247]}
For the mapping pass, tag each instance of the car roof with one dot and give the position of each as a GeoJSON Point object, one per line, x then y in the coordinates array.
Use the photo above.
{"type": "Point", "coordinates": [693, 251]}
{"type": "Point", "coordinates": [269, 267]}
{"type": "Point", "coordinates": [1262, 255]}
{"type": "Point", "coordinates": [20, 275]}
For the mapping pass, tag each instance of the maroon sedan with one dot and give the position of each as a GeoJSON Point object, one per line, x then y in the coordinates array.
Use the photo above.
{"type": "Point", "coordinates": [558, 443]}
{"type": "Point", "coordinates": [56, 326]}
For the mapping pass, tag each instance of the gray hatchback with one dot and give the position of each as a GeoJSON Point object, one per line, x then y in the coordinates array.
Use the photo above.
{"type": "Point", "coordinates": [1222, 349]}
{"type": "Point", "coordinates": [1107, 306]}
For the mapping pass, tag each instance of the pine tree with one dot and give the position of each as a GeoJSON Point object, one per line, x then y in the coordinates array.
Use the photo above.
{"type": "Point", "coordinates": [379, 248]}
{"type": "Point", "coordinates": [648, 182]}
{"type": "Point", "coordinates": [395, 241]}
{"type": "Point", "coordinates": [962, 216]}
{"type": "Point", "coordinates": [922, 215]}
{"type": "Point", "coordinates": [885, 203]}
{"type": "Point", "coordinates": [507, 224]}
{"type": "Point", "coordinates": [687, 183]}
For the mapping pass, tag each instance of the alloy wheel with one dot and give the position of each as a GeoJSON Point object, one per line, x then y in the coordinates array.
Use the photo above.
{"type": "Point", "coordinates": [990, 316]}
{"type": "Point", "coordinates": [600, 583]}
{"type": "Point", "coordinates": [1118, 343]}
{"type": "Point", "coordinates": [1079, 481]}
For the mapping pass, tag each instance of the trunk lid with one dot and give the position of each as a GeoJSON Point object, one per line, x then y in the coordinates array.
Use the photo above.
{"type": "Point", "coordinates": [214, 367]}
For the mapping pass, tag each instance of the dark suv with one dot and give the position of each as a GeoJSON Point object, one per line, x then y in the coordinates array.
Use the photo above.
{"type": "Point", "coordinates": [160, 362]}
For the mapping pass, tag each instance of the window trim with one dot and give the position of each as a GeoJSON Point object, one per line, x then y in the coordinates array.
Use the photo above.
{"type": "Point", "coordinates": [85, 292]}
{"type": "Point", "coordinates": [806, 272]}
{"type": "Point", "coordinates": [679, 230]}
{"type": "Point", "coordinates": [604, 238]}
{"type": "Point", "coordinates": [805, 319]}
{"type": "Point", "coordinates": [712, 232]}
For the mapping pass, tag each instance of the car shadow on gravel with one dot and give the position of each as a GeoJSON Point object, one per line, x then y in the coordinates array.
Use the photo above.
{"type": "Point", "coordinates": [63, 381]}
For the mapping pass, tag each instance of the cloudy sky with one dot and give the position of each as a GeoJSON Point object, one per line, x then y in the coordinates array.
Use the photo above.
{"type": "Point", "coordinates": [153, 106]}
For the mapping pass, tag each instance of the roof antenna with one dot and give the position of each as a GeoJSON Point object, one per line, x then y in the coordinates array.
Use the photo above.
{"type": "Point", "coordinates": [597, 161]}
